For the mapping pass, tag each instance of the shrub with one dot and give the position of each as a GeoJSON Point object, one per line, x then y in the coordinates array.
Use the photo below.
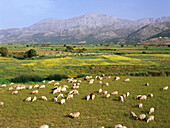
{"type": "Point", "coordinates": [156, 73]}
{"type": "Point", "coordinates": [3, 51]}
{"type": "Point", "coordinates": [27, 77]}
{"type": "Point", "coordinates": [30, 53]}
{"type": "Point", "coordinates": [81, 76]}
{"type": "Point", "coordinates": [57, 77]}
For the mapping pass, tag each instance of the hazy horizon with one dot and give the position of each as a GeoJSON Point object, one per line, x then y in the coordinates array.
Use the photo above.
{"type": "Point", "coordinates": [19, 13]}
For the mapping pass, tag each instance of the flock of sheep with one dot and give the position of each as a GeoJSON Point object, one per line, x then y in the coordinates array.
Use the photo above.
{"type": "Point", "coordinates": [57, 89]}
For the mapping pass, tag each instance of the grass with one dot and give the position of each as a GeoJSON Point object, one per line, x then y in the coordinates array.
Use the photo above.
{"type": "Point", "coordinates": [100, 112]}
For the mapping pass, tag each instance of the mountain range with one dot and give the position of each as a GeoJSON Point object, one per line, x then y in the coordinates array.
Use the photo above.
{"type": "Point", "coordinates": [91, 27]}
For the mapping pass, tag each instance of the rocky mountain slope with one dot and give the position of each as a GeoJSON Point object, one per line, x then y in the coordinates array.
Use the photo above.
{"type": "Point", "coordinates": [90, 27]}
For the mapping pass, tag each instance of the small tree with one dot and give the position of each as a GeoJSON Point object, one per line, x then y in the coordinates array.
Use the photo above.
{"type": "Point", "coordinates": [3, 51]}
{"type": "Point", "coordinates": [30, 53]}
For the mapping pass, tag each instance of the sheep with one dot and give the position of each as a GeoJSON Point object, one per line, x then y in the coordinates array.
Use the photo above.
{"type": "Point", "coordinates": [44, 126]}
{"type": "Point", "coordinates": [34, 99]}
{"type": "Point", "coordinates": [124, 95]}
{"type": "Point", "coordinates": [150, 118]}
{"type": "Point", "coordinates": [28, 99]}
{"type": "Point", "coordinates": [107, 84]}
{"type": "Point", "coordinates": [79, 81]}
{"type": "Point", "coordinates": [118, 126]}
{"type": "Point", "coordinates": [22, 87]}
{"type": "Point", "coordinates": [100, 82]}
{"type": "Point", "coordinates": [63, 89]}
{"type": "Point", "coordinates": [75, 115]}
{"type": "Point", "coordinates": [138, 96]}
{"type": "Point", "coordinates": [151, 110]}
{"type": "Point", "coordinates": [55, 99]}
{"type": "Point", "coordinates": [49, 82]}
{"type": "Point", "coordinates": [150, 95]}
{"type": "Point", "coordinates": [62, 101]}
{"type": "Point", "coordinates": [77, 84]}
{"type": "Point", "coordinates": [121, 99]}
{"type": "Point", "coordinates": [36, 86]}
{"type": "Point", "coordinates": [139, 105]}
{"type": "Point", "coordinates": [124, 127]}
{"type": "Point", "coordinates": [57, 90]}
{"type": "Point", "coordinates": [143, 97]}
{"type": "Point", "coordinates": [30, 87]}
{"type": "Point", "coordinates": [42, 87]}
{"type": "Point", "coordinates": [147, 84]}
{"type": "Point", "coordinates": [52, 81]}
{"type": "Point", "coordinates": [3, 85]}
{"type": "Point", "coordinates": [108, 96]}
{"type": "Point", "coordinates": [75, 87]}
{"type": "Point", "coordinates": [65, 86]}
{"type": "Point", "coordinates": [127, 80]}
{"type": "Point", "coordinates": [114, 93]}
{"type": "Point", "coordinates": [142, 116]}
{"type": "Point", "coordinates": [43, 81]}
{"type": "Point", "coordinates": [14, 92]}
{"type": "Point", "coordinates": [60, 95]}
{"type": "Point", "coordinates": [73, 92]}
{"type": "Point", "coordinates": [100, 90]}
{"type": "Point", "coordinates": [165, 88]}
{"type": "Point", "coordinates": [57, 83]}
{"type": "Point", "coordinates": [88, 97]}
{"type": "Point", "coordinates": [11, 83]}
{"type": "Point", "coordinates": [10, 88]}
{"type": "Point", "coordinates": [44, 98]}
{"type": "Point", "coordinates": [17, 88]}
{"type": "Point", "coordinates": [70, 96]}
{"type": "Point", "coordinates": [92, 96]}
{"type": "Point", "coordinates": [100, 127]}
{"type": "Point", "coordinates": [108, 77]}
{"type": "Point", "coordinates": [1, 103]}
{"type": "Point", "coordinates": [116, 78]}
{"type": "Point", "coordinates": [127, 94]}
{"type": "Point", "coordinates": [104, 92]}
{"type": "Point", "coordinates": [34, 92]}
{"type": "Point", "coordinates": [133, 115]}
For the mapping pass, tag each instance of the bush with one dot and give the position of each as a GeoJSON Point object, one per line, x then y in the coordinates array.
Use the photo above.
{"type": "Point", "coordinates": [30, 53]}
{"type": "Point", "coordinates": [81, 76]}
{"type": "Point", "coordinates": [156, 73]}
{"type": "Point", "coordinates": [57, 77]}
{"type": "Point", "coordinates": [3, 51]}
{"type": "Point", "coordinates": [27, 78]}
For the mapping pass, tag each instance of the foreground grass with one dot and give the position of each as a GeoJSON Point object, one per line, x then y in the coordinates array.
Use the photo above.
{"type": "Point", "coordinates": [101, 111]}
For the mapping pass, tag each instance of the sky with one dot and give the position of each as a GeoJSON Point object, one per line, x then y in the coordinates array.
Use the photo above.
{"type": "Point", "coordinates": [24, 13]}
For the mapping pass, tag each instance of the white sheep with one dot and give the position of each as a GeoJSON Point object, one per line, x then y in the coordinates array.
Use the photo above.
{"type": "Point", "coordinates": [3, 85]}
{"type": "Point", "coordinates": [62, 101]}
{"type": "Point", "coordinates": [100, 82]}
{"type": "Point", "coordinates": [139, 105]}
{"type": "Point", "coordinates": [124, 95]}
{"type": "Point", "coordinates": [165, 88]}
{"type": "Point", "coordinates": [1, 103]}
{"type": "Point", "coordinates": [44, 126]}
{"type": "Point", "coordinates": [30, 87]}
{"type": "Point", "coordinates": [70, 96]}
{"type": "Point", "coordinates": [100, 127]}
{"type": "Point", "coordinates": [11, 83]}
{"type": "Point", "coordinates": [118, 126]}
{"type": "Point", "coordinates": [104, 92]}
{"type": "Point", "coordinates": [107, 84]}
{"type": "Point", "coordinates": [34, 99]}
{"type": "Point", "coordinates": [22, 87]}
{"type": "Point", "coordinates": [88, 97]}
{"type": "Point", "coordinates": [151, 118]}
{"type": "Point", "coordinates": [92, 96]}
{"type": "Point", "coordinates": [10, 88]}
{"type": "Point", "coordinates": [108, 96]}
{"type": "Point", "coordinates": [100, 90]}
{"type": "Point", "coordinates": [14, 92]}
{"type": "Point", "coordinates": [75, 86]}
{"type": "Point", "coordinates": [127, 80]}
{"type": "Point", "coordinates": [36, 86]}
{"type": "Point", "coordinates": [34, 92]}
{"type": "Point", "coordinates": [42, 87]}
{"type": "Point", "coordinates": [75, 92]}
{"type": "Point", "coordinates": [63, 89]}
{"type": "Point", "coordinates": [143, 97]}
{"type": "Point", "coordinates": [75, 115]}
{"type": "Point", "coordinates": [28, 99]}
{"type": "Point", "coordinates": [55, 99]}
{"type": "Point", "coordinates": [138, 96]}
{"type": "Point", "coordinates": [133, 115]}
{"type": "Point", "coordinates": [142, 116]}
{"type": "Point", "coordinates": [121, 98]}
{"type": "Point", "coordinates": [150, 95]}
{"type": "Point", "coordinates": [114, 93]}
{"type": "Point", "coordinates": [44, 98]}
{"type": "Point", "coordinates": [43, 81]}
{"type": "Point", "coordinates": [151, 110]}
{"type": "Point", "coordinates": [147, 84]}
{"type": "Point", "coordinates": [127, 94]}
{"type": "Point", "coordinates": [79, 81]}
{"type": "Point", "coordinates": [17, 88]}
{"type": "Point", "coordinates": [57, 83]}
{"type": "Point", "coordinates": [116, 78]}
{"type": "Point", "coordinates": [108, 77]}
{"type": "Point", "coordinates": [60, 95]}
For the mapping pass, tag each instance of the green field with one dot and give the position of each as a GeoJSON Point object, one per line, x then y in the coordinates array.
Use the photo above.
{"type": "Point", "coordinates": [101, 112]}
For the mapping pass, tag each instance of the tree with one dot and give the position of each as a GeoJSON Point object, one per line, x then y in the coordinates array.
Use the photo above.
{"type": "Point", "coordinates": [30, 53]}
{"type": "Point", "coordinates": [3, 51]}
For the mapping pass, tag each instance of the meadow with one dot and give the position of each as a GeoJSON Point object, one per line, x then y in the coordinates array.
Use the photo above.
{"type": "Point", "coordinates": [107, 112]}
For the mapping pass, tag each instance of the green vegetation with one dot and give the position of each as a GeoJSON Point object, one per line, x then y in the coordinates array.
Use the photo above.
{"type": "Point", "coordinates": [30, 53]}
{"type": "Point", "coordinates": [4, 51]}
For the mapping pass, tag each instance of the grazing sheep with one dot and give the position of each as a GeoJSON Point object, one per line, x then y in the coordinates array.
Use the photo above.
{"type": "Point", "coordinates": [55, 99]}
{"type": "Point", "coordinates": [18, 88]}
{"type": "Point", "coordinates": [100, 82]}
{"type": "Point", "coordinates": [44, 126]}
{"type": "Point", "coordinates": [36, 86]}
{"type": "Point", "coordinates": [11, 83]}
{"type": "Point", "coordinates": [118, 126]}
{"type": "Point", "coordinates": [22, 87]}
{"type": "Point", "coordinates": [108, 96]}
{"type": "Point", "coordinates": [133, 115]}
{"type": "Point", "coordinates": [127, 80]}
{"type": "Point", "coordinates": [3, 85]}
{"type": "Point", "coordinates": [28, 99]}
{"type": "Point", "coordinates": [107, 84]}
{"type": "Point", "coordinates": [75, 115]}
{"type": "Point", "coordinates": [114, 93]}
{"type": "Point", "coordinates": [43, 81]}
{"type": "Point", "coordinates": [75, 86]}
{"type": "Point", "coordinates": [92, 96]}
{"type": "Point", "coordinates": [116, 78]}
{"type": "Point", "coordinates": [70, 96]}
{"type": "Point", "coordinates": [52, 81]}
{"type": "Point", "coordinates": [63, 89]}
{"type": "Point", "coordinates": [138, 96]}
{"type": "Point", "coordinates": [44, 98]}
{"type": "Point", "coordinates": [34, 99]}
{"type": "Point", "coordinates": [79, 81]}
{"type": "Point", "coordinates": [30, 87]}
{"type": "Point", "coordinates": [151, 118]}
{"type": "Point", "coordinates": [49, 82]}
{"type": "Point", "coordinates": [147, 84]}
{"type": "Point", "coordinates": [150, 95]}
{"type": "Point", "coordinates": [100, 127]}
{"type": "Point", "coordinates": [57, 90]}
{"type": "Point", "coordinates": [75, 92]}
{"type": "Point", "coordinates": [124, 95]}
{"type": "Point", "coordinates": [1, 103]}
{"type": "Point", "coordinates": [139, 105]}
{"type": "Point", "coordinates": [121, 98]}
{"type": "Point", "coordinates": [63, 101]}
{"type": "Point", "coordinates": [124, 127]}
{"type": "Point", "coordinates": [88, 97]}
{"type": "Point", "coordinates": [60, 95]}
{"type": "Point", "coordinates": [127, 94]}
{"type": "Point", "coordinates": [151, 110]}
{"type": "Point", "coordinates": [65, 86]}
{"type": "Point", "coordinates": [104, 92]}
{"type": "Point", "coordinates": [14, 92]}
{"type": "Point", "coordinates": [100, 90]}
{"type": "Point", "coordinates": [57, 83]}
{"type": "Point", "coordinates": [143, 97]}
{"type": "Point", "coordinates": [42, 87]}
{"type": "Point", "coordinates": [142, 116]}
{"type": "Point", "coordinates": [34, 92]}
{"type": "Point", "coordinates": [108, 77]}
{"type": "Point", "coordinates": [10, 88]}
{"type": "Point", "coordinates": [165, 88]}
